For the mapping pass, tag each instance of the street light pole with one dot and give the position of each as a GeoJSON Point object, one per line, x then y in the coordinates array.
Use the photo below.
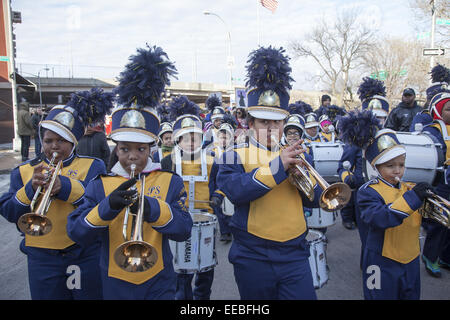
{"type": "Point", "coordinates": [433, 29]}
{"type": "Point", "coordinates": [230, 61]}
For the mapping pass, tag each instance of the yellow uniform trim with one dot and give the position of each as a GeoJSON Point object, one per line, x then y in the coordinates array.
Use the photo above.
{"type": "Point", "coordinates": [156, 186]}
{"type": "Point", "coordinates": [94, 219]}
{"type": "Point", "coordinates": [22, 196]}
{"type": "Point", "coordinates": [344, 175]}
{"type": "Point", "coordinates": [59, 210]}
{"type": "Point", "coordinates": [264, 175]}
{"type": "Point", "coordinates": [165, 215]}
{"type": "Point", "coordinates": [401, 243]}
{"type": "Point", "coordinates": [76, 192]}
{"type": "Point", "coordinates": [278, 215]}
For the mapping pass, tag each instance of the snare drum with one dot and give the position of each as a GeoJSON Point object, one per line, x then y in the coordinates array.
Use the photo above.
{"type": "Point", "coordinates": [320, 218]}
{"type": "Point", "coordinates": [198, 253]}
{"type": "Point", "coordinates": [317, 258]}
{"type": "Point", "coordinates": [227, 207]}
{"type": "Point", "coordinates": [326, 159]}
{"type": "Point", "coordinates": [423, 156]}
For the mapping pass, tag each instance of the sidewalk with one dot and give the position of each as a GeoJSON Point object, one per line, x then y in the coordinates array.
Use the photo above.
{"type": "Point", "coordinates": [9, 159]}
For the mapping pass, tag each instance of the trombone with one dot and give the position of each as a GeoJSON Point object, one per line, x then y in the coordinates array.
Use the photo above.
{"type": "Point", "coordinates": [333, 197]}
{"type": "Point", "coordinates": [434, 206]}
{"type": "Point", "coordinates": [36, 223]}
{"type": "Point", "coordinates": [135, 255]}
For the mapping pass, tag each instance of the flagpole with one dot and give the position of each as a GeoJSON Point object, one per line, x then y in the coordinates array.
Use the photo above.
{"type": "Point", "coordinates": [258, 23]}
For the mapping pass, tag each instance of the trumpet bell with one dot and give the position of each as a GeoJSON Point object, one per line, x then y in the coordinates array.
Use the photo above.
{"type": "Point", "coordinates": [135, 256]}
{"type": "Point", "coordinates": [335, 197]}
{"type": "Point", "coordinates": [34, 224]}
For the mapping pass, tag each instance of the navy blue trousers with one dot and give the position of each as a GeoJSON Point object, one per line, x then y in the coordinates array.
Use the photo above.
{"type": "Point", "coordinates": [69, 274]}
{"type": "Point", "coordinates": [397, 281]}
{"type": "Point", "coordinates": [266, 280]}
{"type": "Point", "coordinates": [202, 285]}
{"type": "Point", "coordinates": [437, 243]}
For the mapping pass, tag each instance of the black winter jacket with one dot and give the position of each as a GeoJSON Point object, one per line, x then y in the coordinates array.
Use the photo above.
{"type": "Point", "coordinates": [401, 117]}
{"type": "Point", "coordinates": [94, 145]}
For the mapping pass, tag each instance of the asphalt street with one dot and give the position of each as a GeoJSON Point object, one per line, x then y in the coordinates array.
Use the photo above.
{"type": "Point", "coordinates": [342, 255]}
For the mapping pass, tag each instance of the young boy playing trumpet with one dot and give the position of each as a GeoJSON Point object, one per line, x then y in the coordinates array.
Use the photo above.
{"type": "Point", "coordinates": [389, 207]}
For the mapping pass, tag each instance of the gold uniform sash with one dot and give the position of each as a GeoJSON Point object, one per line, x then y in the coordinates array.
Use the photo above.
{"type": "Point", "coordinates": [59, 210]}
{"type": "Point", "coordinates": [278, 215]}
{"type": "Point", "coordinates": [401, 243]}
{"type": "Point", "coordinates": [156, 186]}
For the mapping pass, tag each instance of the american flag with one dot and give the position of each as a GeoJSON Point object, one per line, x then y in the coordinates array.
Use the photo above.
{"type": "Point", "coordinates": [270, 4]}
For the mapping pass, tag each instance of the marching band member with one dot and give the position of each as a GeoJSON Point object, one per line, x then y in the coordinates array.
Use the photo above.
{"type": "Point", "coordinates": [372, 95]}
{"type": "Point", "coordinates": [189, 159]}
{"type": "Point", "coordinates": [436, 250]}
{"type": "Point", "coordinates": [440, 77]}
{"type": "Point", "coordinates": [269, 252]}
{"type": "Point", "coordinates": [389, 208]}
{"type": "Point", "coordinates": [216, 115]}
{"type": "Point", "coordinates": [52, 253]}
{"type": "Point", "coordinates": [312, 129]}
{"type": "Point", "coordinates": [225, 137]}
{"type": "Point", "coordinates": [327, 128]}
{"type": "Point", "coordinates": [165, 141]}
{"type": "Point", "coordinates": [147, 273]}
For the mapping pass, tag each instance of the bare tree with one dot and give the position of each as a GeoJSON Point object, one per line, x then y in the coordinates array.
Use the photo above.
{"type": "Point", "coordinates": [422, 10]}
{"type": "Point", "coordinates": [337, 48]}
{"type": "Point", "coordinates": [401, 64]}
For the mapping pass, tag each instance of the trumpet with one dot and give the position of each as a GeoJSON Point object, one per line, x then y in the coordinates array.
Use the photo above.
{"type": "Point", "coordinates": [135, 255]}
{"type": "Point", "coordinates": [434, 207]}
{"type": "Point", "coordinates": [36, 223]}
{"type": "Point", "coordinates": [333, 197]}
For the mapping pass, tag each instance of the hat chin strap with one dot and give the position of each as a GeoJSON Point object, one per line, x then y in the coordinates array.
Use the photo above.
{"type": "Point", "coordinates": [190, 153]}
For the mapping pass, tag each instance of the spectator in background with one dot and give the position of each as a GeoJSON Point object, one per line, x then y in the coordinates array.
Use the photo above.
{"type": "Point", "coordinates": [35, 119]}
{"type": "Point", "coordinates": [24, 127]}
{"type": "Point", "coordinates": [325, 101]}
{"type": "Point", "coordinates": [401, 117]}
{"type": "Point", "coordinates": [242, 126]}
{"type": "Point", "coordinates": [94, 143]}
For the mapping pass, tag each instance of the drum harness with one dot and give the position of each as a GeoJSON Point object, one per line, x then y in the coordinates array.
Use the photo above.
{"type": "Point", "coordinates": [192, 180]}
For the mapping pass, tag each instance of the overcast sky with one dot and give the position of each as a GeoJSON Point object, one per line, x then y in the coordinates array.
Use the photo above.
{"type": "Point", "coordinates": [104, 33]}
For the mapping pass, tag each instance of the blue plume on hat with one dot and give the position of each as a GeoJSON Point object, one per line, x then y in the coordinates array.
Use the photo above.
{"type": "Point", "coordinates": [334, 111]}
{"type": "Point", "coordinates": [145, 77]}
{"type": "Point", "coordinates": [268, 69]}
{"type": "Point", "coordinates": [230, 120]}
{"type": "Point", "coordinates": [92, 105]}
{"type": "Point", "coordinates": [305, 107]}
{"type": "Point", "coordinates": [163, 112]}
{"type": "Point", "coordinates": [212, 102]}
{"type": "Point", "coordinates": [358, 128]}
{"type": "Point", "coordinates": [440, 73]}
{"type": "Point", "coordinates": [181, 106]}
{"type": "Point", "coordinates": [370, 87]}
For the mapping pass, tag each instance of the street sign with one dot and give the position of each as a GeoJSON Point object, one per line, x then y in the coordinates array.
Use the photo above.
{"type": "Point", "coordinates": [16, 17]}
{"type": "Point", "coordinates": [4, 58]}
{"type": "Point", "coordinates": [445, 22]}
{"type": "Point", "coordinates": [433, 52]}
{"type": "Point", "coordinates": [423, 35]}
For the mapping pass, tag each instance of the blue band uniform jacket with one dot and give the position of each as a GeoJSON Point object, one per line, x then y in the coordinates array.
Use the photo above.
{"type": "Point", "coordinates": [75, 174]}
{"type": "Point", "coordinates": [168, 219]}
{"type": "Point", "coordinates": [393, 219]}
{"type": "Point", "coordinates": [268, 218]}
